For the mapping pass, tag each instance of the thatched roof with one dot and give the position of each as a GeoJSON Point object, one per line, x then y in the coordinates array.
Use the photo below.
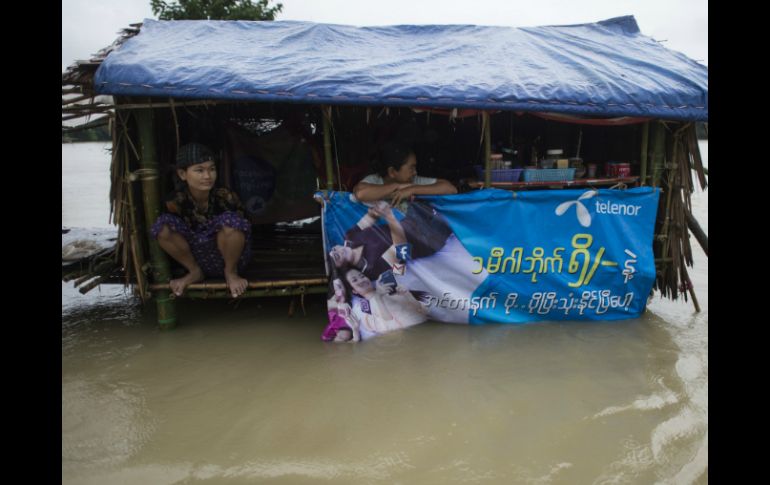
{"type": "Point", "coordinates": [78, 96]}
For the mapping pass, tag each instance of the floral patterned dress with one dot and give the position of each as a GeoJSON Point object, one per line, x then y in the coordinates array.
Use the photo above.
{"type": "Point", "coordinates": [200, 228]}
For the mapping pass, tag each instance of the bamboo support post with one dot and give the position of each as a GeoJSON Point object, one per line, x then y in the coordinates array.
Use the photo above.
{"type": "Point", "coordinates": [151, 197]}
{"type": "Point", "coordinates": [666, 245]}
{"type": "Point", "coordinates": [138, 265]}
{"type": "Point", "coordinates": [486, 127]}
{"type": "Point", "coordinates": [137, 251]}
{"type": "Point", "coordinates": [116, 179]}
{"type": "Point", "coordinates": [645, 143]}
{"type": "Point", "coordinates": [657, 159]}
{"type": "Point", "coordinates": [327, 127]}
{"type": "Point", "coordinates": [658, 152]}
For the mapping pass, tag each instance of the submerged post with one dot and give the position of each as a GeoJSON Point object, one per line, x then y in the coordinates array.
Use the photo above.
{"type": "Point", "coordinates": [327, 125]}
{"type": "Point", "coordinates": [487, 148]}
{"type": "Point", "coordinates": [161, 270]}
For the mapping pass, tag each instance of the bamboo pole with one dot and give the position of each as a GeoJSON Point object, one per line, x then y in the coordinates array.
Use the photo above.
{"type": "Point", "coordinates": [116, 180]}
{"type": "Point", "coordinates": [690, 288]}
{"type": "Point", "coordinates": [72, 274]}
{"type": "Point", "coordinates": [92, 284]}
{"type": "Point", "coordinates": [87, 108]}
{"type": "Point", "coordinates": [137, 251]}
{"type": "Point", "coordinates": [102, 269]}
{"type": "Point", "coordinates": [73, 90]}
{"type": "Point", "coordinates": [154, 105]}
{"type": "Point", "coordinates": [278, 284]}
{"type": "Point", "coordinates": [658, 152]}
{"type": "Point", "coordinates": [487, 148]}
{"type": "Point", "coordinates": [82, 279]}
{"type": "Point", "coordinates": [138, 265]}
{"type": "Point", "coordinates": [658, 155]}
{"type": "Point", "coordinates": [645, 142]}
{"type": "Point", "coordinates": [697, 162]}
{"type": "Point", "coordinates": [696, 231]}
{"type": "Point", "coordinates": [667, 243]}
{"type": "Point", "coordinates": [82, 114]}
{"type": "Point", "coordinates": [327, 126]}
{"type": "Point", "coordinates": [151, 198]}
{"type": "Point", "coordinates": [176, 121]}
{"type": "Point", "coordinates": [78, 99]}
{"type": "Point", "coordinates": [68, 130]}
{"type": "Point", "coordinates": [257, 293]}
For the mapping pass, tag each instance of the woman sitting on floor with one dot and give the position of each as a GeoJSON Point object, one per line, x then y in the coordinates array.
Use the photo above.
{"type": "Point", "coordinates": [204, 227]}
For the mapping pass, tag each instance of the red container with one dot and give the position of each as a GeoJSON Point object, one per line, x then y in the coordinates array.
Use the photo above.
{"type": "Point", "coordinates": [622, 170]}
{"type": "Point", "coordinates": [618, 169]}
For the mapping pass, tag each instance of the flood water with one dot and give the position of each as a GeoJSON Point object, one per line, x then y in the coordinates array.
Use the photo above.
{"type": "Point", "coordinates": [244, 393]}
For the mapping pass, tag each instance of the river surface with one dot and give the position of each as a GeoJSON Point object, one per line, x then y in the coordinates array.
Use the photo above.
{"type": "Point", "coordinates": [247, 393]}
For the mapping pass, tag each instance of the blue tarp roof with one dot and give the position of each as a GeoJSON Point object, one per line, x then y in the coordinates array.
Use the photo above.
{"type": "Point", "coordinates": [606, 68]}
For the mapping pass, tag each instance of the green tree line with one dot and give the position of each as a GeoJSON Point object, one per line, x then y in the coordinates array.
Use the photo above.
{"type": "Point", "coordinates": [215, 10]}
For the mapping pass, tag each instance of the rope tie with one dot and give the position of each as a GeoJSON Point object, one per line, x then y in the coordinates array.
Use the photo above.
{"type": "Point", "coordinates": [143, 174]}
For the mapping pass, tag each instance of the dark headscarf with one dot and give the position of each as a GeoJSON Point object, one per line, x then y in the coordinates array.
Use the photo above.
{"type": "Point", "coordinates": [193, 154]}
{"type": "Point", "coordinates": [187, 156]}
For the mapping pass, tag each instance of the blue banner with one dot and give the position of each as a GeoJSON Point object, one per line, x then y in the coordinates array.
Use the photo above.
{"type": "Point", "coordinates": [488, 256]}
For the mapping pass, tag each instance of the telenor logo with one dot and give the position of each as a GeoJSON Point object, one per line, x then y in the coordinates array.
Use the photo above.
{"type": "Point", "coordinates": [584, 218]}
{"type": "Point", "coordinates": [616, 208]}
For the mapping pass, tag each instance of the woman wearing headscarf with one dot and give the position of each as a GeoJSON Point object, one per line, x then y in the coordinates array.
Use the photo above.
{"type": "Point", "coordinates": [203, 226]}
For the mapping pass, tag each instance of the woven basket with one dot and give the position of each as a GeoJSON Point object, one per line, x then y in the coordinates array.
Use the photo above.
{"type": "Point", "coordinates": [500, 175]}
{"type": "Point", "coordinates": [549, 174]}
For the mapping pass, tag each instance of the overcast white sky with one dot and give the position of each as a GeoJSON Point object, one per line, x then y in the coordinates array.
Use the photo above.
{"type": "Point", "coordinates": [89, 25]}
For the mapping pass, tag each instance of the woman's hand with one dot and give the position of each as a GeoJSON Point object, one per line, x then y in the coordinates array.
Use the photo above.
{"type": "Point", "coordinates": [381, 209]}
{"type": "Point", "coordinates": [385, 288]}
{"type": "Point", "coordinates": [405, 192]}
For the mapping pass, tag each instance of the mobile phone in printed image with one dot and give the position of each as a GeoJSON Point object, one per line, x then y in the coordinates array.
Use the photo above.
{"type": "Point", "coordinates": [388, 277]}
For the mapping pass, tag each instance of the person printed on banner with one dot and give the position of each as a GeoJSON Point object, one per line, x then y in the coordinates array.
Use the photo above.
{"type": "Point", "coordinates": [374, 248]}
{"type": "Point", "coordinates": [342, 325]}
{"type": "Point", "coordinates": [397, 180]}
{"type": "Point", "coordinates": [203, 227]}
{"type": "Point", "coordinates": [382, 306]}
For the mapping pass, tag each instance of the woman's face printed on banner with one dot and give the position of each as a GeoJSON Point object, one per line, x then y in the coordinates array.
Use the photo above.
{"type": "Point", "coordinates": [359, 282]}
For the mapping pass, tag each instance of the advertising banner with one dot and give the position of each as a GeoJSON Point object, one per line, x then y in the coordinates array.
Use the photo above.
{"type": "Point", "coordinates": [488, 256]}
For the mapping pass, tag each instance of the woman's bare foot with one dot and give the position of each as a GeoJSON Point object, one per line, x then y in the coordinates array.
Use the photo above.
{"type": "Point", "coordinates": [236, 284]}
{"type": "Point", "coordinates": [178, 285]}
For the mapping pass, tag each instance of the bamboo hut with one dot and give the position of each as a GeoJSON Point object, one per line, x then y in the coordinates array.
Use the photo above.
{"type": "Point", "coordinates": [317, 100]}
